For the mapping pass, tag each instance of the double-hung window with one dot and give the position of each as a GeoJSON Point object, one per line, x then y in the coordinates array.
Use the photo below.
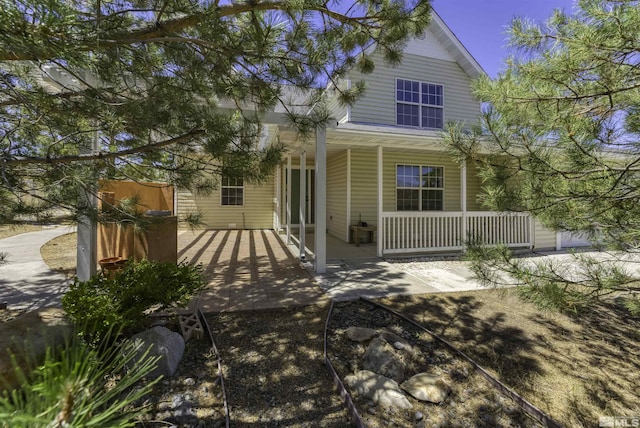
{"type": "Point", "coordinates": [419, 104]}
{"type": "Point", "coordinates": [232, 191]}
{"type": "Point", "coordinates": [419, 188]}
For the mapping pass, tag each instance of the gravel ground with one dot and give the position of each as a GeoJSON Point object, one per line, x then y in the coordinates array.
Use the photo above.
{"type": "Point", "coordinates": [472, 402]}
{"type": "Point", "coordinates": [192, 397]}
{"type": "Point", "coordinates": [274, 369]}
{"type": "Point", "coordinates": [274, 375]}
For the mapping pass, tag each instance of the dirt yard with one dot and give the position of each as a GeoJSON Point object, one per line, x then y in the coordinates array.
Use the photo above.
{"type": "Point", "coordinates": [9, 230]}
{"type": "Point", "coordinates": [574, 368]}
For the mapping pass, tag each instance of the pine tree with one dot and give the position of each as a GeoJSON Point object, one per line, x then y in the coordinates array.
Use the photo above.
{"type": "Point", "coordinates": [172, 90]}
{"type": "Point", "coordinates": [560, 138]}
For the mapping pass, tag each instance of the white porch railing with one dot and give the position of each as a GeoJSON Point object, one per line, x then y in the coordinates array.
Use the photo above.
{"type": "Point", "coordinates": [411, 232]}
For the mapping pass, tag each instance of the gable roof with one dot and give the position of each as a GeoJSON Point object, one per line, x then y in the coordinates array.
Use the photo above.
{"type": "Point", "coordinates": [453, 45]}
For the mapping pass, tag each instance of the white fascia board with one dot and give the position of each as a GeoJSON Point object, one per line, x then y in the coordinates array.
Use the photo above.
{"type": "Point", "coordinates": [462, 55]}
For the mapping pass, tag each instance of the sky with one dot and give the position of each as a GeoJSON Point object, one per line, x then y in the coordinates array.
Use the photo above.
{"type": "Point", "coordinates": [480, 24]}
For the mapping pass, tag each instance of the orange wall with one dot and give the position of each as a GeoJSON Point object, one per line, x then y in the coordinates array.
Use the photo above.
{"type": "Point", "coordinates": [152, 196]}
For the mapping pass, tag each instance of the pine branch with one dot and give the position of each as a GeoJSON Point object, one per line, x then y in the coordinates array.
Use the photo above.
{"type": "Point", "coordinates": [106, 155]}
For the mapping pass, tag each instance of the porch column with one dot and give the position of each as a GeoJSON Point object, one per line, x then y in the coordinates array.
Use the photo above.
{"type": "Point", "coordinates": [348, 238]}
{"type": "Point", "coordinates": [321, 200]}
{"type": "Point", "coordinates": [278, 197]}
{"type": "Point", "coordinates": [288, 196]}
{"type": "Point", "coordinates": [303, 200]}
{"type": "Point", "coordinates": [87, 236]}
{"type": "Point", "coordinates": [380, 203]}
{"type": "Point", "coordinates": [463, 202]}
{"type": "Point", "coordinates": [87, 240]}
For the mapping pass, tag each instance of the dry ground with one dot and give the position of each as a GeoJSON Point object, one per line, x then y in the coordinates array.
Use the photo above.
{"type": "Point", "coordinates": [60, 254]}
{"type": "Point", "coordinates": [9, 230]}
{"type": "Point", "coordinates": [574, 368]}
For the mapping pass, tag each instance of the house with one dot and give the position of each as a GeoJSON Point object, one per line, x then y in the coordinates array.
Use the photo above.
{"type": "Point", "coordinates": [382, 164]}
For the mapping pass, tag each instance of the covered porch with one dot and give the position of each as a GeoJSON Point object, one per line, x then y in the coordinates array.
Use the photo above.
{"type": "Point", "coordinates": [353, 181]}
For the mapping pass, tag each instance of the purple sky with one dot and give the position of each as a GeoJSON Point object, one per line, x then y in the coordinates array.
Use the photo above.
{"type": "Point", "coordinates": [480, 24]}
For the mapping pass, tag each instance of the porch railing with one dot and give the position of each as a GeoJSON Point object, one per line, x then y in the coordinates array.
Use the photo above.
{"type": "Point", "coordinates": [410, 232]}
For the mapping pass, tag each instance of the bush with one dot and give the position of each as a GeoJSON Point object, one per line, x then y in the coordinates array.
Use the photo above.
{"type": "Point", "coordinates": [79, 385]}
{"type": "Point", "coordinates": [125, 300]}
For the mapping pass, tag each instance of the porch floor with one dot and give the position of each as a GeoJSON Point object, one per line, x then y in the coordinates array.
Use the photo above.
{"type": "Point", "coordinates": [247, 270]}
{"type": "Point", "coordinates": [255, 269]}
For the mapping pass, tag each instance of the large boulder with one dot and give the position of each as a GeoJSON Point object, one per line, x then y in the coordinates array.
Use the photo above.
{"type": "Point", "coordinates": [361, 334]}
{"type": "Point", "coordinates": [27, 338]}
{"type": "Point", "coordinates": [427, 387]}
{"type": "Point", "coordinates": [162, 342]}
{"type": "Point", "coordinates": [379, 389]}
{"type": "Point", "coordinates": [383, 359]}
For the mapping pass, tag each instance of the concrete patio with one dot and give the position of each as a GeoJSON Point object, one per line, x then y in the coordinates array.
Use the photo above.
{"type": "Point", "coordinates": [256, 269]}
{"type": "Point", "coordinates": [247, 270]}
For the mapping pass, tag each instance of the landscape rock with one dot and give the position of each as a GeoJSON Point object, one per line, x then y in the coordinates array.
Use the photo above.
{"type": "Point", "coordinates": [361, 334]}
{"type": "Point", "coordinates": [382, 358]}
{"type": "Point", "coordinates": [427, 387]}
{"type": "Point", "coordinates": [160, 341]}
{"type": "Point", "coordinates": [380, 389]}
{"type": "Point", "coordinates": [395, 340]}
{"type": "Point", "coordinates": [27, 337]}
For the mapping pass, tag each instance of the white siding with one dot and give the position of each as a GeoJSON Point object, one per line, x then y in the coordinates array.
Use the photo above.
{"type": "Point", "coordinates": [364, 186]}
{"type": "Point", "coordinates": [256, 213]}
{"type": "Point", "coordinates": [186, 203]}
{"type": "Point", "coordinates": [337, 195]}
{"type": "Point", "coordinates": [451, 176]}
{"type": "Point", "coordinates": [336, 110]}
{"type": "Point", "coordinates": [378, 105]}
{"type": "Point", "coordinates": [428, 46]}
{"type": "Point", "coordinates": [474, 189]}
{"type": "Point", "coordinates": [543, 238]}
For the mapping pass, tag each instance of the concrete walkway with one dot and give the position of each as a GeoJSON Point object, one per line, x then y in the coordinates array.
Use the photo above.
{"type": "Point", "coordinates": [373, 278]}
{"type": "Point", "coordinates": [26, 282]}
{"type": "Point", "coordinates": [245, 270]}
{"type": "Point", "coordinates": [253, 269]}
{"type": "Point", "coordinates": [354, 272]}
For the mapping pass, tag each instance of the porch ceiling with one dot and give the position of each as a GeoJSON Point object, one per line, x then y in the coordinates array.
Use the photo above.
{"type": "Point", "coordinates": [341, 139]}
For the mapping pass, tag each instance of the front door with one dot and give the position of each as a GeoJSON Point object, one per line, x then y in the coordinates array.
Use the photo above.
{"type": "Point", "coordinates": [295, 197]}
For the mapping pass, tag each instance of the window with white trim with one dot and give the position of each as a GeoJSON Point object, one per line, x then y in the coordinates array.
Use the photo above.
{"type": "Point", "coordinates": [419, 188]}
{"type": "Point", "coordinates": [419, 104]}
{"type": "Point", "coordinates": [232, 191]}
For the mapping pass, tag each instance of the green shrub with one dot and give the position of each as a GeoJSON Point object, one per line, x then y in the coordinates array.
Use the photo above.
{"type": "Point", "coordinates": [125, 300]}
{"type": "Point", "coordinates": [79, 386]}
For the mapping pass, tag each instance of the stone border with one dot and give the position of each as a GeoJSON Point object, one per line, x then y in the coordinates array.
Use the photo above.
{"type": "Point", "coordinates": [344, 394]}
{"type": "Point", "coordinates": [528, 407]}
{"type": "Point", "coordinates": [205, 324]}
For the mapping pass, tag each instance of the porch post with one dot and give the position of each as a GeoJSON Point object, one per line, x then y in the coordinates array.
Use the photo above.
{"type": "Point", "coordinates": [348, 231]}
{"type": "Point", "coordinates": [87, 236]}
{"type": "Point", "coordinates": [278, 197]}
{"type": "Point", "coordinates": [380, 203]}
{"type": "Point", "coordinates": [532, 232]}
{"type": "Point", "coordinates": [303, 200]}
{"type": "Point", "coordinates": [463, 202]}
{"type": "Point", "coordinates": [288, 196]}
{"type": "Point", "coordinates": [321, 200]}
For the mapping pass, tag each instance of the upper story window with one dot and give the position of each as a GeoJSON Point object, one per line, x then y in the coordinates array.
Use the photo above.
{"type": "Point", "coordinates": [232, 191]}
{"type": "Point", "coordinates": [419, 104]}
{"type": "Point", "coordinates": [419, 188]}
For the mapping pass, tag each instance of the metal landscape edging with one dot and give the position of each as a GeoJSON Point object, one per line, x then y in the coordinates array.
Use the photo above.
{"type": "Point", "coordinates": [528, 407]}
